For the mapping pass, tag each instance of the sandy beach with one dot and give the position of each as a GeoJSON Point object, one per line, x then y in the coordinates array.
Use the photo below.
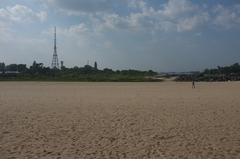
{"type": "Point", "coordinates": [168, 120]}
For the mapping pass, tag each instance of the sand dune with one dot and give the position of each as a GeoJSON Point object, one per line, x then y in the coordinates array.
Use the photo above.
{"type": "Point", "coordinates": [119, 120]}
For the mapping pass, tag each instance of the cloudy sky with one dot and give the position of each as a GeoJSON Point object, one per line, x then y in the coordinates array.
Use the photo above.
{"type": "Point", "coordinates": [163, 35]}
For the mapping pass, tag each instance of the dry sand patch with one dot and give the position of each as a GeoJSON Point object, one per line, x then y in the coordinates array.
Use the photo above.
{"type": "Point", "coordinates": [119, 120]}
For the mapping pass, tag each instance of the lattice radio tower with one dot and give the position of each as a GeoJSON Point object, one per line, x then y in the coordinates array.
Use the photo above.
{"type": "Point", "coordinates": [55, 64]}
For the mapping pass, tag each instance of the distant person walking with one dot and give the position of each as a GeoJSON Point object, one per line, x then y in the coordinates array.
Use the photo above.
{"type": "Point", "coordinates": [193, 84]}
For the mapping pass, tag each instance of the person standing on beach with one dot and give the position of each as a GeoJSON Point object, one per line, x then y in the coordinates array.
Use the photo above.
{"type": "Point", "coordinates": [193, 84]}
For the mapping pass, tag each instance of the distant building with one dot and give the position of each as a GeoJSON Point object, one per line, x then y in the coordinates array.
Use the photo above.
{"type": "Point", "coordinates": [62, 64]}
{"type": "Point", "coordinates": [12, 72]}
{"type": "Point", "coordinates": [95, 65]}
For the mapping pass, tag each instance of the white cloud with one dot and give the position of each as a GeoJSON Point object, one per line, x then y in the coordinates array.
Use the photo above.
{"type": "Point", "coordinates": [176, 15]}
{"type": "Point", "coordinates": [16, 14]}
{"type": "Point", "coordinates": [42, 16]}
{"type": "Point", "coordinates": [192, 22]}
{"type": "Point", "coordinates": [174, 8]}
{"type": "Point", "coordinates": [81, 28]}
{"type": "Point", "coordinates": [74, 6]}
{"type": "Point", "coordinates": [137, 4]}
{"type": "Point", "coordinates": [172, 15]}
{"type": "Point", "coordinates": [227, 17]}
{"type": "Point", "coordinates": [21, 13]}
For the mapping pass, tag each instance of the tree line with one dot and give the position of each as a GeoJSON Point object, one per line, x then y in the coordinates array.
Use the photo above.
{"type": "Point", "coordinates": [37, 71]}
{"type": "Point", "coordinates": [226, 73]}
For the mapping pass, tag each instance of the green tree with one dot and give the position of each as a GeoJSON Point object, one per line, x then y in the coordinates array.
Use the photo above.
{"type": "Point", "coordinates": [22, 68]}
{"type": "Point", "coordinates": [12, 67]}
{"type": "Point", "coordinates": [2, 67]}
{"type": "Point", "coordinates": [36, 68]}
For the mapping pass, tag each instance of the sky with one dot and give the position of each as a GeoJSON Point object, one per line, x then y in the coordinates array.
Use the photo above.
{"type": "Point", "coordinates": [162, 35]}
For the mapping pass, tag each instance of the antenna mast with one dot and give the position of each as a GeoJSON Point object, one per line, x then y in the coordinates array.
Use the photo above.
{"type": "Point", "coordinates": [55, 64]}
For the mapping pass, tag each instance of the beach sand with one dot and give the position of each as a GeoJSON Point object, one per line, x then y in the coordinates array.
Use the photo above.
{"type": "Point", "coordinates": [168, 120]}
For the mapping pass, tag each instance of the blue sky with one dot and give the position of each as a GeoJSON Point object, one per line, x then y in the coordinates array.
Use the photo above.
{"type": "Point", "coordinates": [163, 35]}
